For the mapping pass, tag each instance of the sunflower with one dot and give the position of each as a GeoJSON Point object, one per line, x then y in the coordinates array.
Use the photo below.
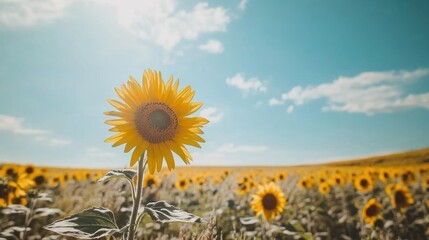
{"type": "Point", "coordinates": [243, 188]}
{"type": "Point", "coordinates": [384, 175]}
{"type": "Point", "coordinates": [324, 188]}
{"type": "Point", "coordinates": [154, 118]}
{"type": "Point", "coordinates": [269, 201]}
{"type": "Point", "coordinates": [181, 184]}
{"type": "Point", "coordinates": [151, 181]}
{"type": "Point", "coordinates": [364, 183]}
{"type": "Point", "coordinates": [401, 197]}
{"type": "Point", "coordinates": [371, 211]}
{"type": "Point", "coordinates": [390, 188]}
{"type": "Point", "coordinates": [408, 177]}
{"type": "Point", "coordinates": [281, 176]}
{"type": "Point", "coordinates": [306, 183]}
{"type": "Point", "coordinates": [338, 179]}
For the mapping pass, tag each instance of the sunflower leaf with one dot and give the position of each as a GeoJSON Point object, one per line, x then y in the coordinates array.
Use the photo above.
{"type": "Point", "coordinates": [119, 173]}
{"type": "Point", "coordinates": [164, 212]}
{"type": "Point", "coordinates": [92, 223]}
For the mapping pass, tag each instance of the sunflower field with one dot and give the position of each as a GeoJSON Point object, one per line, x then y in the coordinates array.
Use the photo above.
{"type": "Point", "coordinates": [313, 202]}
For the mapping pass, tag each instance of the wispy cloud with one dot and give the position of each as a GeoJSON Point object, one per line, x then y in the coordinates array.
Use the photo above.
{"type": "Point", "coordinates": [94, 152]}
{"type": "Point", "coordinates": [232, 148]}
{"type": "Point", "coordinates": [242, 4]}
{"type": "Point", "coordinates": [212, 46]}
{"type": "Point", "coordinates": [212, 114]}
{"type": "Point", "coordinates": [161, 22]}
{"type": "Point", "coordinates": [15, 125]}
{"type": "Point", "coordinates": [246, 86]}
{"type": "Point", "coordinates": [31, 12]}
{"type": "Point", "coordinates": [368, 93]}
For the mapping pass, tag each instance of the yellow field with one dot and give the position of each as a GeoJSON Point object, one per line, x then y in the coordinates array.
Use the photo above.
{"type": "Point", "coordinates": [384, 197]}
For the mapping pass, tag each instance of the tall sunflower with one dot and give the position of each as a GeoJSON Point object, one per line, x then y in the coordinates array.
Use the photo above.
{"type": "Point", "coordinates": [154, 118]}
{"type": "Point", "coordinates": [269, 201]}
{"type": "Point", "coordinates": [371, 211]}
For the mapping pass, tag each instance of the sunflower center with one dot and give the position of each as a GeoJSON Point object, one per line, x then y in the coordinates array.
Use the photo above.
{"type": "Point", "coordinates": [269, 201]}
{"type": "Point", "coordinates": [150, 182]}
{"type": "Point", "coordinates": [156, 122]}
{"type": "Point", "coordinates": [182, 183]}
{"type": "Point", "coordinates": [400, 199]}
{"type": "Point", "coordinates": [364, 183]}
{"type": "Point", "coordinates": [372, 211]}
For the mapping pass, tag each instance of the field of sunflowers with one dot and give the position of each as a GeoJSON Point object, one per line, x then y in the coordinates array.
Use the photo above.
{"type": "Point", "coordinates": [357, 200]}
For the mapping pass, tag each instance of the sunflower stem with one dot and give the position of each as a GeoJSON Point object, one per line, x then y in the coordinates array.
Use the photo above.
{"type": "Point", "coordinates": [137, 199]}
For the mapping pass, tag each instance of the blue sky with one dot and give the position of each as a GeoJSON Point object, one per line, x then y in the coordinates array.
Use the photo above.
{"type": "Point", "coordinates": [283, 82]}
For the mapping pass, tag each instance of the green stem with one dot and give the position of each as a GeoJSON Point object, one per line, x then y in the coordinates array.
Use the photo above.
{"type": "Point", "coordinates": [137, 199]}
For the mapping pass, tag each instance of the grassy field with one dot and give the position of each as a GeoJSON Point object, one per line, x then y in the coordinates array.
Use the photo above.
{"type": "Point", "coordinates": [382, 197]}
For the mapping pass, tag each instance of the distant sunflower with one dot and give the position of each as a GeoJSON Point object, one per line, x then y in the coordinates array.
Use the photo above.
{"type": "Point", "coordinates": [243, 188]}
{"type": "Point", "coordinates": [306, 183]}
{"type": "Point", "coordinates": [384, 175]}
{"type": "Point", "coordinates": [280, 176]}
{"type": "Point", "coordinates": [338, 179]}
{"type": "Point", "coordinates": [401, 197]}
{"type": "Point", "coordinates": [154, 118]}
{"type": "Point", "coordinates": [324, 188]}
{"type": "Point", "coordinates": [269, 201]}
{"type": "Point", "coordinates": [390, 188]}
{"type": "Point", "coordinates": [371, 211]}
{"type": "Point", "coordinates": [181, 184]}
{"type": "Point", "coordinates": [408, 177]}
{"type": "Point", "coordinates": [151, 181]}
{"type": "Point", "coordinates": [364, 183]}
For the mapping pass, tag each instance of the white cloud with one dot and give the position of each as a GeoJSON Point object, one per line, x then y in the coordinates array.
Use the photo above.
{"type": "Point", "coordinates": [212, 114]}
{"type": "Point", "coordinates": [160, 21]}
{"type": "Point", "coordinates": [30, 12]}
{"type": "Point", "coordinates": [368, 93]}
{"type": "Point", "coordinates": [232, 148]}
{"type": "Point", "coordinates": [15, 125]}
{"type": "Point", "coordinates": [290, 109]}
{"type": "Point", "coordinates": [52, 141]}
{"type": "Point", "coordinates": [212, 46]}
{"type": "Point", "coordinates": [163, 23]}
{"type": "Point", "coordinates": [246, 86]}
{"type": "Point", "coordinates": [242, 4]}
{"type": "Point", "coordinates": [274, 102]}
{"type": "Point", "coordinates": [98, 153]}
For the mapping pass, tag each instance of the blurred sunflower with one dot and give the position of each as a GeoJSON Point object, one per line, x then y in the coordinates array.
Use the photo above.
{"type": "Point", "coordinates": [269, 201]}
{"type": "Point", "coordinates": [243, 188]}
{"type": "Point", "coordinates": [181, 183]}
{"type": "Point", "coordinates": [408, 177]}
{"type": "Point", "coordinates": [371, 211]}
{"type": "Point", "coordinates": [401, 197]}
{"type": "Point", "coordinates": [384, 175]}
{"type": "Point", "coordinates": [280, 177]}
{"type": "Point", "coordinates": [306, 183]}
{"type": "Point", "coordinates": [151, 181]}
{"type": "Point", "coordinates": [324, 188]}
{"type": "Point", "coordinates": [154, 118]}
{"type": "Point", "coordinates": [364, 183]}
{"type": "Point", "coordinates": [390, 188]}
{"type": "Point", "coordinates": [338, 179]}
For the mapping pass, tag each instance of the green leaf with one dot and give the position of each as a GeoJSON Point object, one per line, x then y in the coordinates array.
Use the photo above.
{"type": "Point", "coordinates": [91, 223]}
{"type": "Point", "coordinates": [164, 212]}
{"type": "Point", "coordinates": [119, 173]}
